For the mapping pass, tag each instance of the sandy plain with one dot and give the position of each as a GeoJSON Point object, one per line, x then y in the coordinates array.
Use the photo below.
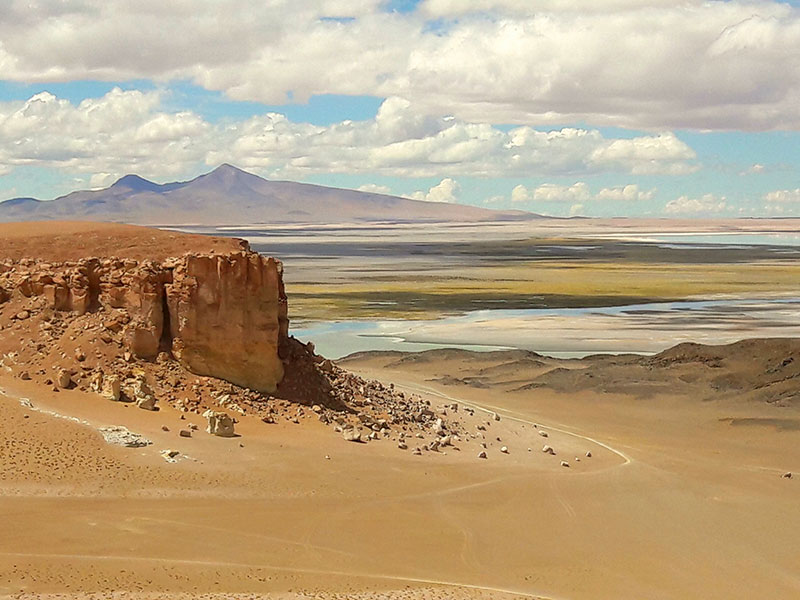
{"type": "Point", "coordinates": [683, 497]}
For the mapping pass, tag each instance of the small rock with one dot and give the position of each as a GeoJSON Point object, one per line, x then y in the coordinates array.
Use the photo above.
{"type": "Point", "coordinates": [63, 379]}
{"type": "Point", "coordinates": [352, 434]}
{"type": "Point", "coordinates": [112, 388]}
{"type": "Point", "coordinates": [588, 454]}
{"type": "Point", "coordinates": [564, 463]}
{"type": "Point", "coordinates": [482, 454]}
{"type": "Point", "coordinates": [184, 433]}
{"type": "Point", "coordinates": [219, 423]}
{"type": "Point", "coordinates": [402, 445]}
{"type": "Point", "coordinates": [543, 433]}
{"type": "Point", "coordinates": [495, 416]}
{"type": "Point", "coordinates": [25, 376]}
{"type": "Point", "coordinates": [504, 449]}
{"type": "Point", "coordinates": [548, 450]}
{"type": "Point", "coordinates": [417, 452]}
{"type": "Point", "coordinates": [787, 475]}
{"type": "Point", "coordinates": [80, 356]}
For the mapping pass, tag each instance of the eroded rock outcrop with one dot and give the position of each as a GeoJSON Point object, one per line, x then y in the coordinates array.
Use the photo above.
{"type": "Point", "coordinates": [228, 318]}
{"type": "Point", "coordinates": [219, 315]}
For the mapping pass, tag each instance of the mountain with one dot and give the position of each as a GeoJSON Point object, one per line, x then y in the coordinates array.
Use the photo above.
{"type": "Point", "coordinates": [229, 196]}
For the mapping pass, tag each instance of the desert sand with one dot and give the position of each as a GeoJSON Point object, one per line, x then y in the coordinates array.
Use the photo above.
{"type": "Point", "coordinates": [666, 481]}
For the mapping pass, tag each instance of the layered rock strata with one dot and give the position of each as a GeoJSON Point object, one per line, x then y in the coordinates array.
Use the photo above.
{"type": "Point", "coordinates": [218, 315]}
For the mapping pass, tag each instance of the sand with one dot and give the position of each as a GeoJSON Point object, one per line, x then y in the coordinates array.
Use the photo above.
{"type": "Point", "coordinates": [675, 502]}
{"type": "Point", "coordinates": [682, 497]}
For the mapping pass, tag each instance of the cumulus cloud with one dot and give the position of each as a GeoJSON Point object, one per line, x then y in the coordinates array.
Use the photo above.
{"type": "Point", "coordinates": [580, 193]}
{"type": "Point", "coordinates": [373, 188]}
{"type": "Point", "coordinates": [130, 131]}
{"type": "Point", "coordinates": [783, 197]}
{"type": "Point", "coordinates": [708, 204]}
{"type": "Point", "coordinates": [648, 64]}
{"type": "Point", "coordinates": [445, 191]}
{"type": "Point", "coordinates": [576, 210]}
{"type": "Point", "coordinates": [782, 201]}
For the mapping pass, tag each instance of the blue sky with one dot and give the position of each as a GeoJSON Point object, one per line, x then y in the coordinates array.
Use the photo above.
{"type": "Point", "coordinates": [544, 110]}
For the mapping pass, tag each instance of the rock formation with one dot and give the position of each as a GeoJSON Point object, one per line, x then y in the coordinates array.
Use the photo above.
{"type": "Point", "coordinates": [228, 317]}
{"type": "Point", "coordinates": [219, 315]}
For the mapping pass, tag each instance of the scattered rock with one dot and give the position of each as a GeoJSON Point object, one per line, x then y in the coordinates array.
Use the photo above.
{"type": "Point", "coordinates": [121, 436]}
{"type": "Point", "coordinates": [80, 356]}
{"type": "Point", "coordinates": [482, 454]}
{"type": "Point", "coordinates": [564, 463]}
{"type": "Point", "coordinates": [25, 376]}
{"type": "Point", "coordinates": [352, 434]}
{"type": "Point", "coordinates": [504, 449]}
{"type": "Point", "coordinates": [219, 423]}
{"type": "Point", "coordinates": [787, 475]}
{"type": "Point", "coordinates": [548, 450]}
{"type": "Point", "coordinates": [588, 454]}
{"type": "Point", "coordinates": [185, 433]}
{"type": "Point", "coordinates": [417, 452]}
{"type": "Point", "coordinates": [112, 388]}
{"type": "Point", "coordinates": [543, 433]}
{"type": "Point", "coordinates": [63, 379]}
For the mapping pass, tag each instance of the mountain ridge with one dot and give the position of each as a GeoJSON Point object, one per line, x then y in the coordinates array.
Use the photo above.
{"type": "Point", "coordinates": [228, 195]}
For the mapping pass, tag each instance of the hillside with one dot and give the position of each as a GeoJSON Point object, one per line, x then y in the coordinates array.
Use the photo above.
{"type": "Point", "coordinates": [229, 196]}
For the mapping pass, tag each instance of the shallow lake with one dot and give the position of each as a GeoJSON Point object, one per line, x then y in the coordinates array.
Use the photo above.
{"type": "Point", "coordinates": [643, 328]}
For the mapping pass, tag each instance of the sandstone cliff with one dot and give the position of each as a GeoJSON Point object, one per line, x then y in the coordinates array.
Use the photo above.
{"type": "Point", "coordinates": [219, 315]}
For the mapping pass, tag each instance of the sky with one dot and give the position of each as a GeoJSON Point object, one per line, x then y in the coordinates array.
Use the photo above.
{"type": "Point", "coordinates": [561, 107]}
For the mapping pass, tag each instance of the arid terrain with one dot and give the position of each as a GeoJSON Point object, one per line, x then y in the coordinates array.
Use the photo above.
{"type": "Point", "coordinates": [478, 475]}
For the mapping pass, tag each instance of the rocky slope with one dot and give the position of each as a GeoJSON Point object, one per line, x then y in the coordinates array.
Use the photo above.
{"type": "Point", "coordinates": [205, 332]}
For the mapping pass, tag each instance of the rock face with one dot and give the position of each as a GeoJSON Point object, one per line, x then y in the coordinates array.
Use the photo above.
{"type": "Point", "coordinates": [228, 316]}
{"type": "Point", "coordinates": [219, 315]}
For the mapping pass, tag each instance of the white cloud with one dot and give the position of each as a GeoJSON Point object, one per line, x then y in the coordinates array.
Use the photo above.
{"type": "Point", "coordinates": [783, 197]}
{"type": "Point", "coordinates": [782, 202]}
{"type": "Point", "coordinates": [445, 191]}
{"type": "Point", "coordinates": [580, 193]}
{"type": "Point", "coordinates": [551, 192]}
{"type": "Point", "coordinates": [625, 193]}
{"type": "Point", "coordinates": [373, 188]}
{"type": "Point", "coordinates": [755, 169]}
{"type": "Point", "coordinates": [646, 155]}
{"type": "Point", "coordinates": [708, 204]}
{"type": "Point", "coordinates": [654, 64]}
{"type": "Point", "coordinates": [129, 131]}
{"type": "Point", "coordinates": [576, 210]}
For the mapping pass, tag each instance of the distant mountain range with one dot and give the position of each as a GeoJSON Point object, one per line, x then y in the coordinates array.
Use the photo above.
{"type": "Point", "coordinates": [229, 196]}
